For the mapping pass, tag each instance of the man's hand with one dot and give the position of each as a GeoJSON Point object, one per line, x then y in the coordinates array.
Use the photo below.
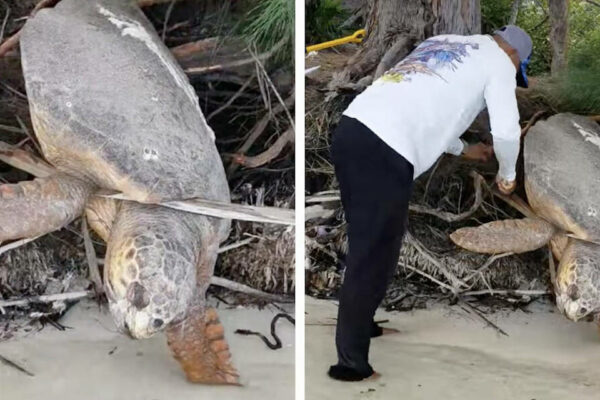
{"type": "Point", "coordinates": [506, 187]}
{"type": "Point", "coordinates": [478, 152]}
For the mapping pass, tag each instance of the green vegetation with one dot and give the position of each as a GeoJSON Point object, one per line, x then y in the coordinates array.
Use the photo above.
{"type": "Point", "coordinates": [270, 25]}
{"type": "Point", "coordinates": [578, 88]}
{"type": "Point", "coordinates": [324, 19]}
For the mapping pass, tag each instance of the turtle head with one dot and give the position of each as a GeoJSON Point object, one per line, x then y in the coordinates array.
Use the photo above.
{"type": "Point", "coordinates": [577, 286]}
{"type": "Point", "coordinates": [574, 307]}
{"type": "Point", "coordinates": [150, 281]}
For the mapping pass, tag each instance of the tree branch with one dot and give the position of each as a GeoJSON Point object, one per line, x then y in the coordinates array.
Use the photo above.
{"type": "Point", "coordinates": [267, 155]}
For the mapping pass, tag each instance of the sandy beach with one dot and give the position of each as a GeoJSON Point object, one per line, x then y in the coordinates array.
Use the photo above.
{"type": "Point", "coordinates": [93, 361]}
{"type": "Point", "coordinates": [445, 353]}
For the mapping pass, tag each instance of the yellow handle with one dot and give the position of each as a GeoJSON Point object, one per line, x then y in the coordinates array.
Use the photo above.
{"type": "Point", "coordinates": [356, 37]}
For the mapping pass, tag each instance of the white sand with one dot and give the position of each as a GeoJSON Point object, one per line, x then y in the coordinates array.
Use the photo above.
{"type": "Point", "coordinates": [445, 353]}
{"type": "Point", "coordinates": [76, 364]}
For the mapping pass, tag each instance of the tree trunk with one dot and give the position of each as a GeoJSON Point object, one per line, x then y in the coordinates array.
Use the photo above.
{"type": "Point", "coordinates": [514, 12]}
{"type": "Point", "coordinates": [394, 28]}
{"type": "Point", "coordinates": [559, 28]}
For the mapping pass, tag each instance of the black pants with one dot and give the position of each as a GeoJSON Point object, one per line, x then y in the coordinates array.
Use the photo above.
{"type": "Point", "coordinates": [376, 184]}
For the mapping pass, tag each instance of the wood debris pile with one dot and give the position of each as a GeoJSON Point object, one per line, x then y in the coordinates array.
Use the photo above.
{"type": "Point", "coordinates": [453, 194]}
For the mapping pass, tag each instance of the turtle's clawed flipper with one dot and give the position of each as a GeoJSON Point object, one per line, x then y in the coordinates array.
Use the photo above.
{"type": "Point", "coordinates": [33, 208]}
{"type": "Point", "coordinates": [101, 213]}
{"type": "Point", "coordinates": [198, 343]}
{"type": "Point", "coordinates": [512, 235]}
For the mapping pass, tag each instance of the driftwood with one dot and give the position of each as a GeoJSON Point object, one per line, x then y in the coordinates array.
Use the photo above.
{"type": "Point", "coordinates": [266, 156]}
{"type": "Point", "coordinates": [241, 288]}
{"type": "Point", "coordinates": [15, 244]}
{"type": "Point", "coordinates": [486, 265]}
{"type": "Point", "coordinates": [192, 48]}
{"type": "Point", "coordinates": [478, 181]}
{"type": "Point", "coordinates": [235, 245]}
{"type": "Point", "coordinates": [318, 211]}
{"type": "Point", "coordinates": [46, 298]}
{"type": "Point", "coordinates": [258, 129]}
{"type": "Point", "coordinates": [531, 121]}
{"type": "Point", "coordinates": [92, 260]}
{"type": "Point", "coordinates": [236, 63]}
{"type": "Point", "coordinates": [451, 217]}
{"type": "Point", "coordinates": [506, 292]}
{"type": "Point", "coordinates": [231, 99]}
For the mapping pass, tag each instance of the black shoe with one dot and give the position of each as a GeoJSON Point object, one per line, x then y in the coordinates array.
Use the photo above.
{"type": "Point", "coordinates": [347, 374]}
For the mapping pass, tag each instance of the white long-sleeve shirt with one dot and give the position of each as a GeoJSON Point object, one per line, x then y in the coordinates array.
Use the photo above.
{"type": "Point", "coordinates": [425, 103]}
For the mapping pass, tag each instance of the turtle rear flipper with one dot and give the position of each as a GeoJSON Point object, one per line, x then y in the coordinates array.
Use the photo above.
{"type": "Point", "coordinates": [33, 208]}
{"type": "Point", "coordinates": [512, 235]}
{"type": "Point", "coordinates": [199, 344]}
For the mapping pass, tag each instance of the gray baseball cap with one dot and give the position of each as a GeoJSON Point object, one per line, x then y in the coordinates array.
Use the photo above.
{"type": "Point", "coordinates": [519, 40]}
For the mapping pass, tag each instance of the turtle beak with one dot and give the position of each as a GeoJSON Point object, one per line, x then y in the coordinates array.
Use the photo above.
{"type": "Point", "coordinates": [567, 307]}
{"type": "Point", "coordinates": [574, 311]}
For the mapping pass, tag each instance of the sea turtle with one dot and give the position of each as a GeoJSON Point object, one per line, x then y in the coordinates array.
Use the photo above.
{"type": "Point", "coordinates": [562, 182]}
{"type": "Point", "coordinates": [112, 109]}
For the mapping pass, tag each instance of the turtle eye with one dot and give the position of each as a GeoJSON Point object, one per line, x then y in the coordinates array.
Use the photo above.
{"type": "Point", "coordinates": [157, 323]}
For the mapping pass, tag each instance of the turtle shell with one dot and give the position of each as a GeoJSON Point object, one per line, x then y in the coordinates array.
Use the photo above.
{"type": "Point", "coordinates": [562, 173]}
{"type": "Point", "coordinates": [110, 104]}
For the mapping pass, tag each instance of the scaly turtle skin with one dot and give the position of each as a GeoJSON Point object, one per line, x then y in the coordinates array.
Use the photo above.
{"type": "Point", "coordinates": [112, 110]}
{"type": "Point", "coordinates": [562, 181]}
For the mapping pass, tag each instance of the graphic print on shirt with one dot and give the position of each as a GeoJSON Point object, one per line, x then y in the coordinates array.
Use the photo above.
{"type": "Point", "coordinates": [427, 58]}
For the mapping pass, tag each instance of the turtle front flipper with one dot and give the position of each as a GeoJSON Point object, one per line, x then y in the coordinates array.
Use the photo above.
{"type": "Point", "coordinates": [199, 344]}
{"type": "Point", "coordinates": [33, 208]}
{"type": "Point", "coordinates": [512, 235]}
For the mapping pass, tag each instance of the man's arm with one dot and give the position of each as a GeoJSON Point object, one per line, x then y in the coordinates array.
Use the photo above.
{"type": "Point", "coordinates": [502, 107]}
{"type": "Point", "coordinates": [477, 152]}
